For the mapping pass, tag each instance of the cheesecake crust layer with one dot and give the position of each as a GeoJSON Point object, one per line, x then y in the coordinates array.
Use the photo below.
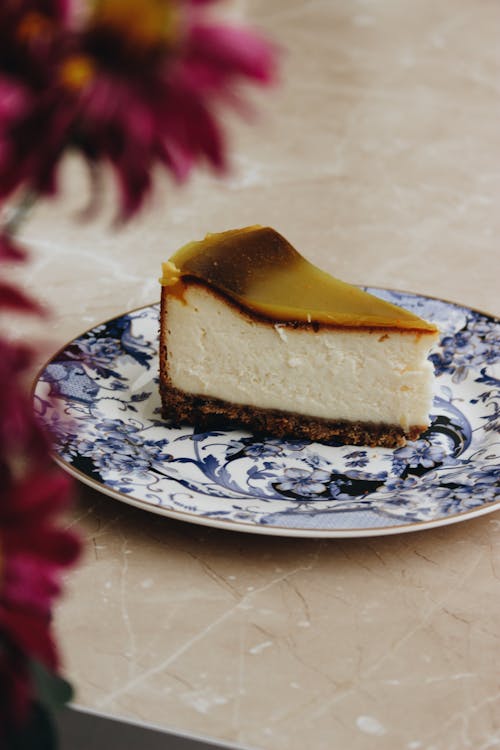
{"type": "Point", "coordinates": [207, 413]}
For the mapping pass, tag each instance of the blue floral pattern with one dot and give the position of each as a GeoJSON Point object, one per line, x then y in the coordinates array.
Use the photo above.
{"type": "Point", "coordinates": [99, 397]}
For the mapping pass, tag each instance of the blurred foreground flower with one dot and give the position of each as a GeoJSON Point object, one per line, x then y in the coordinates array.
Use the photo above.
{"type": "Point", "coordinates": [129, 83]}
{"type": "Point", "coordinates": [33, 548]}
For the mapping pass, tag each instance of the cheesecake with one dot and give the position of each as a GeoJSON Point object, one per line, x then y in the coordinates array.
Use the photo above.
{"type": "Point", "coordinates": [255, 337]}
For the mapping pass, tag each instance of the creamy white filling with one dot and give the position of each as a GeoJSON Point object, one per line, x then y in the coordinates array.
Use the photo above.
{"type": "Point", "coordinates": [214, 350]}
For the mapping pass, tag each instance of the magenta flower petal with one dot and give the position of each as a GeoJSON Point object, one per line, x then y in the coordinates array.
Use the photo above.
{"type": "Point", "coordinates": [226, 52]}
{"type": "Point", "coordinates": [176, 156]}
{"type": "Point", "coordinates": [11, 250]}
{"type": "Point", "coordinates": [13, 299]}
{"type": "Point", "coordinates": [13, 101]}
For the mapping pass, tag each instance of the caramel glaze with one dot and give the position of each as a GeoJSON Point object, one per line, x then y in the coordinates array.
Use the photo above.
{"type": "Point", "coordinates": [258, 271]}
{"type": "Point", "coordinates": [178, 290]}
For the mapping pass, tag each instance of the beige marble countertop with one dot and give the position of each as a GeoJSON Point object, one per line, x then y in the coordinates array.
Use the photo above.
{"type": "Point", "coordinates": [378, 157]}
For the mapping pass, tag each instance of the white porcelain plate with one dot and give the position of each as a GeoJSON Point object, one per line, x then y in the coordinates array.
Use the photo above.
{"type": "Point", "coordinates": [99, 397]}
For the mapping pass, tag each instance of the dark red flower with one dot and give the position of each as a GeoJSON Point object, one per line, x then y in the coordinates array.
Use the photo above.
{"type": "Point", "coordinates": [34, 551]}
{"type": "Point", "coordinates": [133, 84]}
{"type": "Point", "coordinates": [138, 84]}
{"type": "Point", "coordinates": [33, 548]}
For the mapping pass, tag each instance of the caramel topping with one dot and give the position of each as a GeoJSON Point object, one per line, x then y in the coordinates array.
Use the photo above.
{"type": "Point", "coordinates": [170, 274]}
{"type": "Point", "coordinates": [264, 274]}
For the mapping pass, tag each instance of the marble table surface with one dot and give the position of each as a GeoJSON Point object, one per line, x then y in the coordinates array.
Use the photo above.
{"type": "Point", "coordinates": [378, 155]}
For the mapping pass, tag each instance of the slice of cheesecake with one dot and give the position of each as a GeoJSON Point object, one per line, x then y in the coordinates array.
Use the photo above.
{"type": "Point", "coordinates": [254, 336]}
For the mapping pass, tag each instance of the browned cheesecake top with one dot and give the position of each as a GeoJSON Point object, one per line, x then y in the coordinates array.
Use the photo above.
{"type": "Point", "coordinates": [258, 268]}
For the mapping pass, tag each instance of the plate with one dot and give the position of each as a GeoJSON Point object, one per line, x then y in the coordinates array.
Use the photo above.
{"type": "Point", "coordinates": [99, 398]}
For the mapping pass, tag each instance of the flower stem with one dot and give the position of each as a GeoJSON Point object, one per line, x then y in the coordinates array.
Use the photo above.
{"type": "Point", "coordinates": [18, 213]}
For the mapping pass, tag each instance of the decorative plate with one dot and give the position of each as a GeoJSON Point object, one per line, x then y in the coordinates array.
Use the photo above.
{"type": "Point", "coordinates": [99, 398]}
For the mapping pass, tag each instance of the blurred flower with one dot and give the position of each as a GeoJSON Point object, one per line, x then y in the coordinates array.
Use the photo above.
{"type": "Point", "coordinates": [33, 548]}
{"type": "Point", "coordinates": [134, 84]}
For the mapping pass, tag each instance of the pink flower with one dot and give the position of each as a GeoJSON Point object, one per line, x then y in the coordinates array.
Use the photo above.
{"type": "Point", "coordinates": [136, 85]}
{"type": "Point", "coordinates": [153, 101]}
{"type": "Point", "coordinates": [33, 548]}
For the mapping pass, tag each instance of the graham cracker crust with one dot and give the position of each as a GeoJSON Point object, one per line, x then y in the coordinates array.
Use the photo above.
{"type": "Point", "coordinates": [207, 413]}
